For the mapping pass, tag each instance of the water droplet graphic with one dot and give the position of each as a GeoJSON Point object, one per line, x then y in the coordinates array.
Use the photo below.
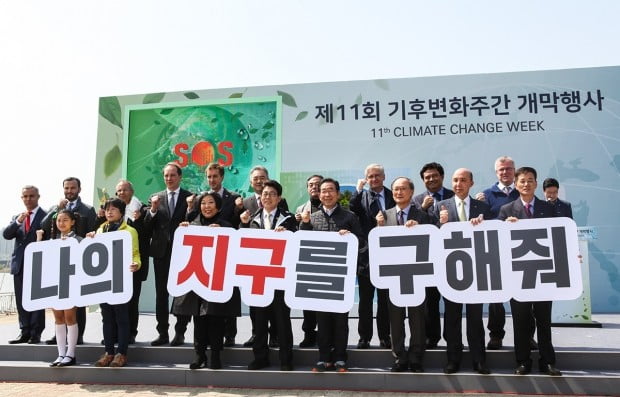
{"type": "Point", "coordinates": [262, 158]}
{"type": "Point", "coordinates": [258, 146]}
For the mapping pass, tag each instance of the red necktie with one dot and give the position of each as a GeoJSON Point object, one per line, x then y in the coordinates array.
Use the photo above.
{"type": "Point", "coordinates": [528, 210]}
{"type": "Point", "coordinates": [27, 223]}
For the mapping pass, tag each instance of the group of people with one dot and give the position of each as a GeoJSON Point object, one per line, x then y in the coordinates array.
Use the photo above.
{"type": "Point", "coordinates": [152, 228]}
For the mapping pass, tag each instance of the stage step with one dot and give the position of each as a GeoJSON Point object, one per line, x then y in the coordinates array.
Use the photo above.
{"type": "Point", "coordinates": [585, 372]}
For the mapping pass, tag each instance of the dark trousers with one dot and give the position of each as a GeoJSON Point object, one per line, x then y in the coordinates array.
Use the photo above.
{"type": "Point", "coordinates": [452, 331]}
{"type": "Point", "coordinates": [161, 267]}
{"type": "Point", "coordinates": [272, 329]}
{"type": "Point", "coordinates": [208, 330]}
{"type": "Point", "coordinates": [526, 316]}
{"type": "Point", "coordinates": [281, 315]}
{"type": "Point", "coordinates": [497, 320]}
{"type": "Point", "coordinates": [31, 324]}
{"type": "Point", "coordinates": [332, 336]}
{"type": "Point", "coordinates": [433, 317]}
{"type": "Point", "coordinates": [417, 329]}
{"type": "Point", "coordinates": [309, 323]}
{"type": "Point", "coordinates": [80, 316]}
{"type": "Point", "coordinates": [367, 297]}
{"type": "Point", "coordinates": [134, 312]}
{"type": "Point", "coordinates": [115, 327]}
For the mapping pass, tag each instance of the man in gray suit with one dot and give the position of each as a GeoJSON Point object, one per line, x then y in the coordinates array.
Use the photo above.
{"type": "Point", "coordinates": [462, 208]}
{"type": "Point", "coordinates": [407, 214]}
{"type": "Point", "coordinates": [22, 228]}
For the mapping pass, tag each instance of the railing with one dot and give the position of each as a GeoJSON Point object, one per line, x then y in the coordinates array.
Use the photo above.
{"type": "Point", "coordinates": [7, 302]}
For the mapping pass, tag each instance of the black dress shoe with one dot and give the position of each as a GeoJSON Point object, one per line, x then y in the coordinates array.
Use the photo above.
{"type": "Point", "coordinates": [550, 370]}
{"type": "Point", "coordinates": [494, 344]}
{"type": "Point", "coordinates": [34, 340]}
{"type": "Point", "coordinates": [451, 368]}
{"type": "Point", "coordinates": [67, 362]}
{"type": "Point", "coordinates": [254, 365]}
{"type": "Point", "coordinates": [286, 367]}
{"type": "Point", "coordinates": [21, 338]}
{"type": "Point", "coordinates": [416, 367]}
{"type": "Point", "coordinates": [523, 369]}
{"type": "Point", "coordinates": [399, 367]}
{"type": "Point", "coordinates": [385, 344]}
{"type": "Point", "coordinates": [229, 341]}
{"type": "Point", "coordinates": [309, 341]}
{"type": "Point", "coordinates": [273, 342]}
{"type": "Point", "coordinates": [481, 368]}
{"type": "Point", "coordinates": [533, 344]}
{"type": "Point", "coordinates": [200, 361]}
{"type": "Point", "coordinates": [363, 344]}
{"type": "Point", "coordinates": [51, 341]}
{"type": "Point", "coordinates": [161, 340]}
{"type": "Point", "coordinates": [431, 344]}
{"type": "Point", "coordinates": [216, 362]}
{"type": "Point", "coordinates": [178, 340]}
{"type": "Point", "coordinates": [249, 342]}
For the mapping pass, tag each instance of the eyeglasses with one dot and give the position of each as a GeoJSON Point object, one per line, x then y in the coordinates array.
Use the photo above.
{"type": "Point", "coordinates": [269, 194]}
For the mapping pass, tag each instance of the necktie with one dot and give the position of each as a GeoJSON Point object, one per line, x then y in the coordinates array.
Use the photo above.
{"type": "Point", "coordinates": [507, 190]}
{"type": "Point", "coordinates": [27, 222]}
{"type": "Point", "coordinates": [260, 203]}
{"type": "Point", "coordinates": [401, 218]}
{"type": "Point", "coordinates": [437, 196]}
{"type": "Point", "coordinates": [462, 215]}
{"type": "Point", "coordinates": [267, 221]}
{"type": "Point", "coordinates": [528, 210]}
{"type": "Point", "coordinates": [71, 206]}
{"type": "Point", "coordinates": [171, 203]}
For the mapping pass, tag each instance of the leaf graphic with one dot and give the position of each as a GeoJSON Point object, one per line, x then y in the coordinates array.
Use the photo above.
{"type": "Point", "coordinates": [265, 135]}
{"type": "Point", "coordinates": [166, 111]}
{"type": "Point", "coordinates": [148, 181]}
{"type": "Point", "coordinates": [287, 99]}
{"type": "Point", "coordinates": [244, 147]}
{"type": "Point", "coordinates": [214, 120]}
{"type": "Point", "coordinates": [268, 125]}
{"type": "Point", "coordinates": [112, 161]}
{"type": "Point", "coordinates": [236, 115]}
{"type": "Point", "coordinates": [191, 95]}
{"type": "Point", "coordinates": [301, 115]}
{"type": "Point", "coordinates": [383, 84]}
{"type": "Point", "coordinates": [110, 109]}
{"type": "Point", "coordinates": [153, 98]}
{"type": "Point", "coordinates": [236, 95]}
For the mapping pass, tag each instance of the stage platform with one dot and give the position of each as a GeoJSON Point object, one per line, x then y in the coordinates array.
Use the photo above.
{"type": "Point", "coordinates": [588, 357]}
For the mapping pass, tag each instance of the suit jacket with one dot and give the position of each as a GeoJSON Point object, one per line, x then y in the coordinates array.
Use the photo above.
{"type": "Point", "coordinates": [87, 222]}
{"type": "Point", "coordinates": [414, 213]}
{"type": "Point", "coordinates": [228, 212]}
{"type": "Point", "coordinates": [542, 209]}
{"type": "Point", "coordinates": [283, 218]}
{"type": "Point", "coordinates": [476, 208]}
{"type": "Point", "coordinates": [22, 239]}
{"type": "Point", "coordinates": [366, 206]}
{"type": "Point", "coordinates": [562, 208]}
{"type": "Point", "coordinates": [496, 198]}
{"type": "Point", "coordinates": [162, 224]}
{"type": "Point", "coordinates": [251, 204]}
{"type": "Point", "coordinates": [433, 210]}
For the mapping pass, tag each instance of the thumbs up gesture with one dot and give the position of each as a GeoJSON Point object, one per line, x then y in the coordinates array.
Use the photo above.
{"type": "Point", "coordinates": [443, 214]}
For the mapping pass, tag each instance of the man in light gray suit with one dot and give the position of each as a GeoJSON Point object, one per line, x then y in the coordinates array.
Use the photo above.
{"type": "Point", "coordinates": [462, 208]}
{"type": "Point", "coordinates": [407, 214]}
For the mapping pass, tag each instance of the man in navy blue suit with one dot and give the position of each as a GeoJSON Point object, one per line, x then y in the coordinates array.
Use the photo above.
{"type": "Point", "coordinates": [22, 228]}
{"type": "Point", "coordinates": [550, 189]}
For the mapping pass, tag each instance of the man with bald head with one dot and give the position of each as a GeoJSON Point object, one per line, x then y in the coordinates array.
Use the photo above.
{"type": "Point", "coordinates": [463, 208]}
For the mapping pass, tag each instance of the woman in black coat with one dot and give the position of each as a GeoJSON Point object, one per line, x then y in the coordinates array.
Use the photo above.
{"type": "Point", "coordinates": [208, 316]}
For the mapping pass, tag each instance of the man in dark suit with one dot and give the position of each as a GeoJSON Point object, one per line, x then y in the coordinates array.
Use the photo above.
{"type": "Point", "coordinates": [168, 209]}
{"type": "Point", "coordinates": [561, 207]}
{"type": "Point", "coordinates": [366, 204]}
{"type": "Point", "coordinates": [407, 214]}
{"type": "Point", "coordinates": [312, 205]}
{"type": "Point", "coordinates": [22, 228]}
{"type": "Point", "coordinates": [258, 176]}
{"type": "Point", "coordinates": [432, 175]}
{"type": "Point", "coordinates": [500, 193]}
{"type": "Point", "coordinates": [525, 207]}
{"type": "Point", "coordinates": [72, 187]}
{"type": "Point", "coordinates": [462, 208]}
